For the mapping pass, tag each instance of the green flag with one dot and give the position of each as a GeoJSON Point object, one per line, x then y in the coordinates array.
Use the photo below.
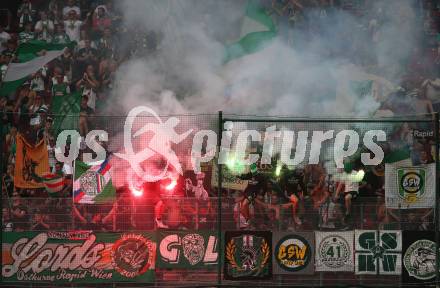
{"type": "Point", "coordinates": [258, 29]}
{"type": "Point", "coordinates": [66, 112]}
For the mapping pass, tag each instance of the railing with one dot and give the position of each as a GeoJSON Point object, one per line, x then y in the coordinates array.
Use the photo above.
{"type": "Point", "coordinates": [60, 214]}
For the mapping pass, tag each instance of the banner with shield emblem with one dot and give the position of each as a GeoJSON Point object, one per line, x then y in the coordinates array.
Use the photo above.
{"type": "Point", "coordinates": [248, 255]}
{"type": "Point", "coordinates": [334, 251]}
{"type": "Point", "coordinates": [410, 187]}
{"type": "Point", "coordinates": [293, 253]}
{"type": "Point", "coordinates": [187, 249]}
{"type": "Point", "coordinates": [418, 257]}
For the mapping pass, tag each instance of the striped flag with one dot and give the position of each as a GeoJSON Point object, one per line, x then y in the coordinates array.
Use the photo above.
{"type": "Point", "coordinates": [53, 182]}
{"type": "Point", "coordinates": [92, 183]}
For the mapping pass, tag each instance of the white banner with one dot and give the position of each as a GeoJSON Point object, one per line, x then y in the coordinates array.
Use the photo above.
{"type": "Point", "coordinates": [378, 252]}
{"type": "Point", "coordinates": [409, 187]}
{"type": "Point", "coordinates": [334, 251]}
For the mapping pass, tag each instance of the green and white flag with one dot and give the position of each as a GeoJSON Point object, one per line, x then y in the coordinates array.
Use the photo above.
{"type": "Point", "coordinates": [334, 251]}
{"type": "Point", "coordinates": [258, 29]}
{"type": "Point", "coordinates": [30, 61]}
{"type": "Point", "coordinates": [378, 252]}
{"type": "Point", "coordinates": [408, 187]}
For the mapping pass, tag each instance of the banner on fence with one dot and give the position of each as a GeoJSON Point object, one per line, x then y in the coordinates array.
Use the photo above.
{"type": "Point", "coordinates": [410, 187]}
{"type": "Point", "coordinates": [378, 252]}
{"type": "Point", "coordinates": [248, 255]}
{"type": "Point", "coordinates": [334, 251]}
{"type": "Point", "coordinates": [293, 253]}
{"type": "Point", "coordinates": [78, 257]}
{"type": "Point", "coordinates": [187, 249]}
{"type": "Point", "coordinates": [229, 180]}
{"type": "Point", "coordinates": [418, 257]}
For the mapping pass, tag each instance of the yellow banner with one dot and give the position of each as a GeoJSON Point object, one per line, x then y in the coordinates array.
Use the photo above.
{"type": "Point", "coordinates": [30, 159]}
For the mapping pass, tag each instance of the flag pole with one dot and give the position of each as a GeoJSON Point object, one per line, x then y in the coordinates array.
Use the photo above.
{"type": "Point", "coordinates": [219, 199]}
{"type": "Point", "coordinates": [2, 139]}
{"type": "Point", "coordinates": [437, 198]}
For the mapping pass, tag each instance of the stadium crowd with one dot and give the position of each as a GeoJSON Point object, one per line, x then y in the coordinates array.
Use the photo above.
{"type": "Point", "coordinates": [307, 198]}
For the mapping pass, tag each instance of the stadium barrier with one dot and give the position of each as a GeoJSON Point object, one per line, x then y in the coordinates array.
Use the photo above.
{"type": "Point", "coordinates": [256, 229]}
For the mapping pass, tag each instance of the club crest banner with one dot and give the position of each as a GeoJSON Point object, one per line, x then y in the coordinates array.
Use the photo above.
{"type": "Point", "coordinates": [78, 256]}
{"type": "Point", "coordinates": [410, 187]}
{"type": "Point", "coordinates": [187, 249]}
{"type": "Point", "coordinates": [418, 257]}
{"type": "Point", "coordinates": [293, 253]}
{"type": "Point", "coordinates": [334, 251]}
{"type": "Point", "coordinates": [378, 252]}
{"type": "Point", "coordinates": [248, 255]}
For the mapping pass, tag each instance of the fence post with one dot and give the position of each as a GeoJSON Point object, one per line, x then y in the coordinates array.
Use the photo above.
{"type": "Point", "coordinates": [197, 214]}
{"type": "Point", "coordinates": [219, 198]}
{"type": "Point", "coordinates": [436, 221]}
{"type": "Point", "coordinates": [2, 138]}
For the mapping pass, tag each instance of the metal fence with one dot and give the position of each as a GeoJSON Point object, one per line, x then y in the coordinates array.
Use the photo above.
{"type": "Point", "coordinates": [302, 200]}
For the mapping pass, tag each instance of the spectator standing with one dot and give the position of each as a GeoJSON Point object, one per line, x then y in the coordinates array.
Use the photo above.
{"type": "Point", "coordinates": [8, 180]}
{"type": "Point", "coordinates": [60, 36]}
{"type": "Point", "coordinates": [7, 224]}
{"type": "Point", "coordinates": [71, 6]}
{"type": "Point", "coordinates": [72, 26]}
{"type": "Point", "coordinates": [40, 219]}
{"type": "Point", "coordinates": [4, 38]}
{"type": "Point", "coordinates": [101, 19]}
{"type": "Point", "coordinates": [348, 190]}
{"type": "Point", "coordinates": [37, 83]}
{"type": "Point", "coordinates": [87, 55]}
{"type": "Point", "coordinates": [20, 216]}
{"type": "Point", "coordinates": [25, 13]}
{"type": "Point", "coordinates": [84, 116]}
{"type": "Point", "coordinates": [89, 85]}
{"type": "Point", "coordinates": [44, 28]}
{"type": "Point", "coordinates": [27, 34]}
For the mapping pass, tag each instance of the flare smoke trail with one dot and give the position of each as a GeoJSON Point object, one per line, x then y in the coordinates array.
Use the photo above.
{"type": "Point", "coordinates": [187, 74]}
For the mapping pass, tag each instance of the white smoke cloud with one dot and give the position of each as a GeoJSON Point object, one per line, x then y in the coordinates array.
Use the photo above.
{"type": "Point", "coordinates": [187, 75]}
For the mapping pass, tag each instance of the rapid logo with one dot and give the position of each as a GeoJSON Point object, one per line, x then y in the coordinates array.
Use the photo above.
{"type": "Point", "coordinates": [334, 252]}
{"type": "Point", "coordinates": [132, 255]}
{"type": "Point", "coordinates": [378, 252]}
{"type": "Point", "coordinates": [188, 250]}
{"type": "Point", "coordinates": [411, 183]}
{"type": "Point", "coordinates": [248, 256]}
{"type": "Point", "coordinates": [419, 259]}
{"type": "Point", "coordinates": [293, 253]}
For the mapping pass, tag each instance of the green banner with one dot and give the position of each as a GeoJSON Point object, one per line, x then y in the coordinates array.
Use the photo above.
{"type": "Point", "coordinates": [187, 249]}
{"type": "Point", "coordinates": [79, 256]}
